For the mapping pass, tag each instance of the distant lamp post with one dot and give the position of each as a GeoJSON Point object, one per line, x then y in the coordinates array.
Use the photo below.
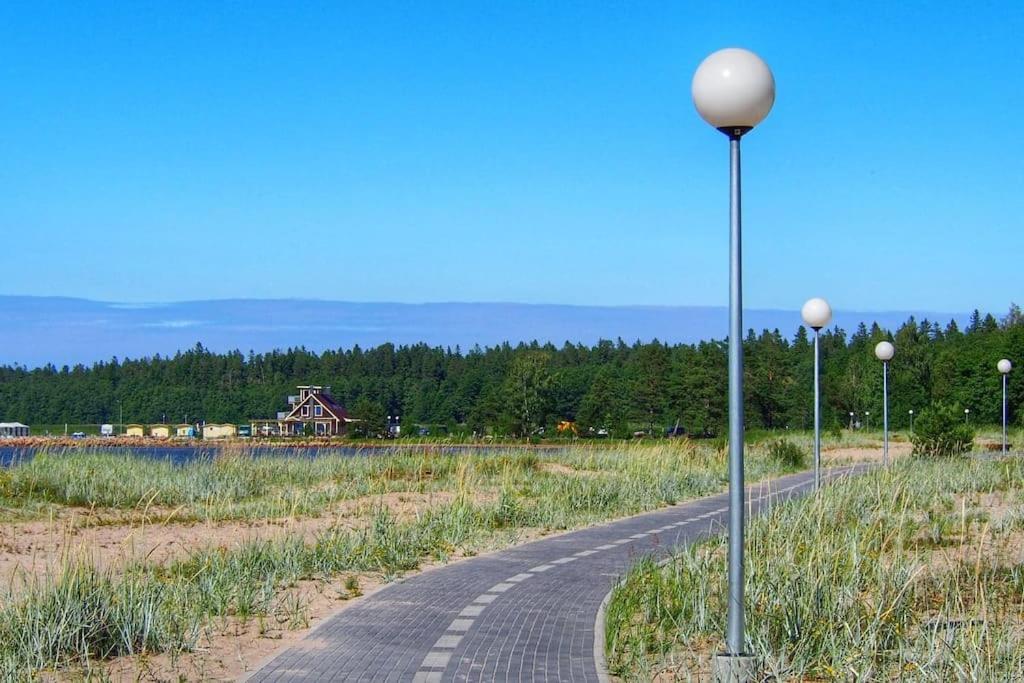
{"type": "Point", "coordinates": [911, 420]}
{"type": "Point", "coordinates": [867, 420]}
{"type": "Point", "coordinates": [1004, 366]}
{"type": "Point", "coordinates": [884, 351]}
{"type": "Point", "coordinates": [851, 421]}
{"type": "Point", "coordinates": [817, 314]}
{"type": "Point", "coordinates": [733, 90]}
{"type": "Point", "coordinates": [967, 415]}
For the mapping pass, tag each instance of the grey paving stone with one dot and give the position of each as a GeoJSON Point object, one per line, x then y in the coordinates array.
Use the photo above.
{"type": "Point", "coordinates": [532, 630]}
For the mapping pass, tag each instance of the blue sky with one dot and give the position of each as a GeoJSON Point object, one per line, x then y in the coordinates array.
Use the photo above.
{"type": "Point", "coordinates": [530, 152]}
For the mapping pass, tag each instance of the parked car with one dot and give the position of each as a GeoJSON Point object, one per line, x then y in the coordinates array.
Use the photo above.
{"type": "Point", "coordinates": [78, 435]}
{"type": "Point", "coordinates": [675, 431]}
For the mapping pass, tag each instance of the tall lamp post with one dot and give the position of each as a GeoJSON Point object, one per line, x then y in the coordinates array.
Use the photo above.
{"type": "Point", "coordinates": [733, 90]}
{"type": "Point", "coordinates": [911, 421]}
{"type": "Point", "coordinates": [817, 314]}
{"type": "Point", "coordinates": [1004, 366]}
{"type": "Point", "coordinates": [967, 415]}
{"type": "Point", "coordinates": [884, 351]}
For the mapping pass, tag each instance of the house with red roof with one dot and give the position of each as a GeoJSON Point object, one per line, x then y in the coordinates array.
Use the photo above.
{"type": "Point", "coordinates": [313, 407]}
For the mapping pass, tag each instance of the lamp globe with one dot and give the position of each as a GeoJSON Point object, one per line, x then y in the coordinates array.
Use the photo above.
{"type": "Point", "coordinates": [816, 313]}
{"type": "Point", "coordinates": [733, 90]}
{"type": "Point", "coordinates": [1004, 366]}
{"type": "Point", "coordinates": [884, 351]}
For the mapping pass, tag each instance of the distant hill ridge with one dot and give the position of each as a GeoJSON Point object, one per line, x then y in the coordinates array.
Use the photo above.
{"type": "Point", "coordinates": [64, 330]}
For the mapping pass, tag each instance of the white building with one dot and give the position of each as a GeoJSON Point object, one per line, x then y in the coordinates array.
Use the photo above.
{"type": "Point", "coordinates": [9, 429]}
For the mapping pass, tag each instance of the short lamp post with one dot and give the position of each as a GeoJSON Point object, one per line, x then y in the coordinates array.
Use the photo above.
{"type": "Point", "coordinates": [817, 314]}
{"type": "Point", "coordinates": [851, 421]}
{"type": "Point", "coordinates": [1004, 366]}
{"type": "Point", "coordinates": [867, 420]}
{"type": "Point", "coordinates": [884, 351]}
{"type": "Point", "coordinates": [911, 421]}
{"type": "Point", "coordinates": [733, 90]}
{"type": "Point", "coordinates": [967, 415]}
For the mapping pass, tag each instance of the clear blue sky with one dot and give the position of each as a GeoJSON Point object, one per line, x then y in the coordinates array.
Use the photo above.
{"type": "Point", "coordinates": [533, 152]}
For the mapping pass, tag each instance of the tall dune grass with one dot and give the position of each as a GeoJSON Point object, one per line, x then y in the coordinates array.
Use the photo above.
{"type": "Point", "coordinates": [82, 616]}
{"type": "Point", "coordinates": [897, 575]}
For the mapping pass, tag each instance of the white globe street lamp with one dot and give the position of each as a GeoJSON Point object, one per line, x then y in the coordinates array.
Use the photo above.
{"type": "Point", "coordinates": [817, 314]}
{"type": "Point", "coordinates": [884, 351]}
{"type": "Point", "coordinates": [967, 415]}
{"type": "Point", "coordinates": [911, 420]}
{"type": "Point", "coordinates": [733, 90]}
{"type": "Point", "coordinates": [1004, 366]}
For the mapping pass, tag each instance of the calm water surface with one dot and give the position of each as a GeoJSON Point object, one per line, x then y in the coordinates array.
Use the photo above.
{"type": "Point", "coordinates": [181, 454]}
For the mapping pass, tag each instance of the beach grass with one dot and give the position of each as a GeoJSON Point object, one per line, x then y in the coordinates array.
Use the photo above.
{"type": "Point", "coordinates": [909, 573]}
{"type": "Point", "coordinates": [81, 615]}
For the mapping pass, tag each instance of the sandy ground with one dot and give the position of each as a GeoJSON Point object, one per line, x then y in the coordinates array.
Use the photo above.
{"type": "Point", "coordinates": [845, 456]}
{"type": "Point", "coordinates": [30, 550]}
{"type": "Point", "coordinates": [110, 539]}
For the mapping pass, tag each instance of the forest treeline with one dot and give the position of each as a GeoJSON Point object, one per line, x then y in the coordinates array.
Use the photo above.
{"type": "Point", "coordinates": [510, 390]}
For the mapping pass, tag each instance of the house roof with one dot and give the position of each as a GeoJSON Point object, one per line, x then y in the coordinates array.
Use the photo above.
{"type": "Point", "coordinates": [333, 409]}
{"type": "Point", "coordinates": [11, 424]}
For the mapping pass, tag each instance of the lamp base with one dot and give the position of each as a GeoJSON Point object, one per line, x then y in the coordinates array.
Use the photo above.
{"type": "Point", "coordinates": [741, 668]}
{"type": "Point", "coordinates": [736, 132]}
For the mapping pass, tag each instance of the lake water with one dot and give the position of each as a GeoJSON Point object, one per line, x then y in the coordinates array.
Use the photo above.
{"type": "Point", "coordinates": [183, 454]}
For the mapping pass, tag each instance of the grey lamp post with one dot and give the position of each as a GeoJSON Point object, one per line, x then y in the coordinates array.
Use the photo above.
{"type": "Point", "coordinates": [733, 90]}
{"type": "Point", "coordinates": [1004, 366]}
{"type": "Point", "coordinates": [817, 314]}
{"type": "Point", "coordinates": [911, 421]}
{"type": "Point", "coordinates": [967, 415]}
{"type": "Point", "coordinates": [884, 351]}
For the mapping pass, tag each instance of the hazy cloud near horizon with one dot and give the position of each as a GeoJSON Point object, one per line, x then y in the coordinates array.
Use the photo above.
{"type": "Point", "coordinates": [41, 330]}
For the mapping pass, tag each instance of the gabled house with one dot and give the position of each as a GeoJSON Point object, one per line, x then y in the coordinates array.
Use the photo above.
{"type": "Point", "coordinates": [313, 408]}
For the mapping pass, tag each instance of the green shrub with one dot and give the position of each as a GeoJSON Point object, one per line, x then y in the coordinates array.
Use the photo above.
{"type": "Point", "coordinates": [787, 454]}
{"type": "Point", "coordinates": [940, 431]}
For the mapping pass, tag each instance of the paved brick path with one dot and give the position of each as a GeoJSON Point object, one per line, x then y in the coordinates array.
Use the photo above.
{"type": "Point", "coordinates": [522, 614]}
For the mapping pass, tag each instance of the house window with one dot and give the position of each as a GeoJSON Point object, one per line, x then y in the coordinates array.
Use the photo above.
{"type": "Point", "coordinates": [321, 428]}
{"type": "Point", "coordinates": [305, 411]}
{"type": "Point", "coordinates": [318, 410]}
